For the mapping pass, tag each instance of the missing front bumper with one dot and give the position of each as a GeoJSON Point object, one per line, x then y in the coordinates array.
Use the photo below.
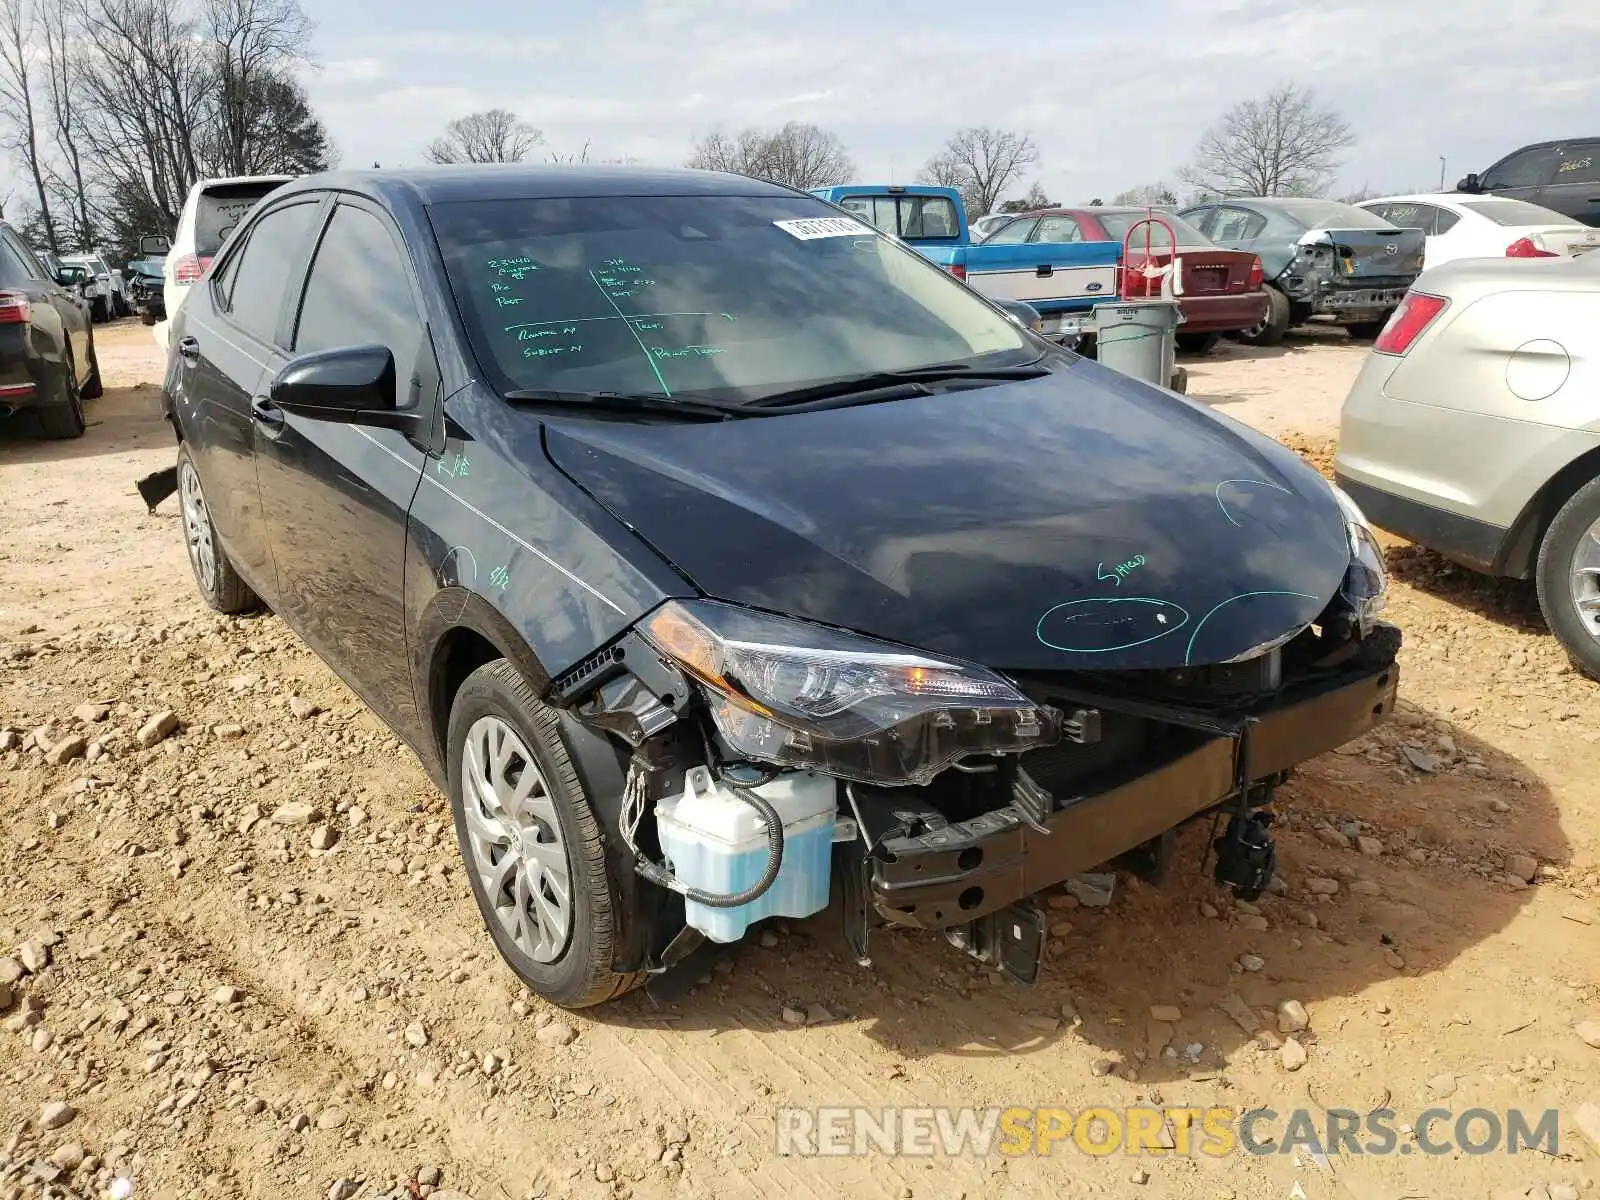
{"type": "Point", "coordinates": [955, 873]}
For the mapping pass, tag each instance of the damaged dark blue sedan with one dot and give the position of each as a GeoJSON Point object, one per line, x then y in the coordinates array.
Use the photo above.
{"type": "Point", "coordinates": [719, 556]}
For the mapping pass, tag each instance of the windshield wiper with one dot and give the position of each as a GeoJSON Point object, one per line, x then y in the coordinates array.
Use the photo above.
{"type": "Point", "coordinates": [629, 402]}
{"type": "Point", "coordinates": [892, 385]}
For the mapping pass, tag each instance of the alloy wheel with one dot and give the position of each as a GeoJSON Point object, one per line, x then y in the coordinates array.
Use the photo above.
{"type": "Point", "coordinates": [197, 529]}
{"type": "Point", "coordinates": [514, 839]}
{"type": "Point", "coordinates": [1584, 580]}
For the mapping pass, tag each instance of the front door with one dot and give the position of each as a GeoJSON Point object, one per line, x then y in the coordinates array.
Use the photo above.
{"type": "Point", "coordinates": [226, 337]}
{"type": "Point", "coordinates": [336, 495]}
{"type": "Point", "coordinates": [1523, 175]}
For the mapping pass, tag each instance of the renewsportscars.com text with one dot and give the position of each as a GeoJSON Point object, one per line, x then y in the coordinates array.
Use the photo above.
{"type": "Point", "coordinates": [1215, 1132]}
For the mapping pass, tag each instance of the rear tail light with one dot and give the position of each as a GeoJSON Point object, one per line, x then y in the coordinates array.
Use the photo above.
{"type": "Point", "coordinates": [1257, 275]}
{"type": "Point", "coordinates": [1416, 313]}
{"type": "Point", "coordinates": [959, 271]}
{"type": "Point", "coordinates": [190, 268]}
{"type": "Point", "coordinates": [1527, 248]}
{"type": "Point", "coordinates": [14, 308]}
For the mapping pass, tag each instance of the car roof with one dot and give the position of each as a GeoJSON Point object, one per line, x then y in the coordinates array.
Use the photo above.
{"type": "Point", "coordinates": [516, 181]}
{"type": "Point", "coordinates": [1592, 137]}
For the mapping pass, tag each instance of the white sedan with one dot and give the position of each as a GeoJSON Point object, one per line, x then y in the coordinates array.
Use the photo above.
{"type": "Point", "coordinates": [1461, 225]}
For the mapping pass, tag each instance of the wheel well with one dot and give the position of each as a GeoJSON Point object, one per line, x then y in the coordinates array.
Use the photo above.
{"type": "Point", "coordinates": [460, 653]}
{"type": "Point", "coordinates": [1522, 544]}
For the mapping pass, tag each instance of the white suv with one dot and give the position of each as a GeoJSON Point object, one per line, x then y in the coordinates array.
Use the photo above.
{"type": "Point", "coordinates": [212, 211]}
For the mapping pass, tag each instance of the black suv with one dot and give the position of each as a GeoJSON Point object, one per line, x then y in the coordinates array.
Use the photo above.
{"type": "Point", "coordinates": [1563, 176]}
{"type": "Point", "coordinates": [47, 362]}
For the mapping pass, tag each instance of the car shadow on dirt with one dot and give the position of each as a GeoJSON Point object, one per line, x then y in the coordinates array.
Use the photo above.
{"type": "Point", "coordinates": [1410, 910]}
{"type": "Point", "coordinates": [1513, 603]}
{"type": "Point", "coordinates": [123, 419]}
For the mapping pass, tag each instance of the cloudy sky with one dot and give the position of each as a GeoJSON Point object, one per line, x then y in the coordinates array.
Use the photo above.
{"type": "Point", "coordinates": [1115, 92]}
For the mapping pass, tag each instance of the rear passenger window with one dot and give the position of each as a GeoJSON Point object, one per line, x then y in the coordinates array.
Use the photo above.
{"type": "Point", "coordinates": [1578, 164]}
{"type": "Point", "coordinates": [11, 269]}
{"type": "Point", "coordinates": [252, 283]}
{"type": "Point", "coordinates": [359, 292]}
{"type": "Point", "coordinates": [24, 258]}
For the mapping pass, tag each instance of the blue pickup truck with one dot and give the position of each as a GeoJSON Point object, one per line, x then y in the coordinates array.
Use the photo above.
{"type": "Point", "coordinates": [1063, 281]}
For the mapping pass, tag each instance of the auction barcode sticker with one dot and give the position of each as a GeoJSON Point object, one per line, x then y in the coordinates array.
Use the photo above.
{"type": "Point", "coordinates": [808, 228]}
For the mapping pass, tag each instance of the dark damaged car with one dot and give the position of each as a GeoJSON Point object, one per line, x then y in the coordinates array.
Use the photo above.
{"type": "Point", "coordinates": [1321, 258]}
{"type": "Point", "coordinates": [717, 555]}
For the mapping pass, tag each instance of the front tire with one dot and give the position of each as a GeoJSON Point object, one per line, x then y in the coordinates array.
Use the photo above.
{"type": "Point", "coordinates": [1568, 576]}
{"type": "Point", "coordinates": [530, 842]}
{"type": "Point", "coordinates": [1273, 326]}
{"type": "Point", "coordinates": [100, 310]}
{"type": "Point", "coordinates": [219, 584]}
{"type": "Point", "coordinates": [1198, 343]}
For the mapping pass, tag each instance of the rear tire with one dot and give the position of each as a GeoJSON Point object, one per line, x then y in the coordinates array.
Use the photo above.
{"type": "Point", "coordinates": [219, 584]}
{"type": "Point", "coordinates": [61, 422]}
{"type": "Point", "coordinates": [1198, 343]}
{"type": "Point", "coordinates": [1273, 326]}
{"type": "Point", "coordinates": [513, 850]}
{"type": "Point", "coordinates": [1568, 576]}
{"type": "Point", "coordinates": [93, 389]}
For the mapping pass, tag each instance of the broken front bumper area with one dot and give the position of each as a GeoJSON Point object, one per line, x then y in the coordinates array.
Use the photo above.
{"type": "Point", "coordinates": [923, 871]}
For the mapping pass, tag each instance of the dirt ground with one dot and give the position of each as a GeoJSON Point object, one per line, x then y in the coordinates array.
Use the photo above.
{"type": "Point", "coordinates": [216, 995]}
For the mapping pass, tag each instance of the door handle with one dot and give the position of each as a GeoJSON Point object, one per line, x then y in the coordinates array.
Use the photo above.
{"type": "Point", "coordinates": [189, 349]}
{"type": "Point", "coordinates": [268, 415]}
{"type": "Point", "coordinates": [1044, 271]}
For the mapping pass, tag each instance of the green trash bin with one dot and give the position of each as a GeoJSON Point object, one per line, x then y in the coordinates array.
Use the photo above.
{"type": "Point", "coordinates": [1138, 338]}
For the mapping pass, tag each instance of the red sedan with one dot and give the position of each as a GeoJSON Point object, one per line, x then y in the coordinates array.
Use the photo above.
{"type": "Point", "coordinates": [1220, 291]}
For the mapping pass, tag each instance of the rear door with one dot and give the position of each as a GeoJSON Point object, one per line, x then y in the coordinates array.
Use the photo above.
{"type": "Point", "coordinates": [227, 333]}
{"type": "Point", "coordinates": [1574, 187]}
{"type": "Point", "coordinates": [336, 495]}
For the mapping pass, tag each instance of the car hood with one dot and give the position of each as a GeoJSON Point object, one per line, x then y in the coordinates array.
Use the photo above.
{"type": "Point", "coordinates": [1082, 520]}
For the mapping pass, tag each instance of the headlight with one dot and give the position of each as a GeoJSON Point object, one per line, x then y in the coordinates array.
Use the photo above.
{"type": "Point", "coordinates": [1366, 582]}
{"type": "Point", "coordinates": [795, 694]}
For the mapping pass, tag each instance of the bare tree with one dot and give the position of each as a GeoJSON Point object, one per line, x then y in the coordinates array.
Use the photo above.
{"type": "Point", "coordinates": [1282, 144]}
{"type": "Point", "coordinates": [798, 155]}
{"type": "Point", "coordinates": [61, 63]}
{"type": "Point", "coordinates": [981, 163]}
{"type": "Point", "coordinates": [250, 41]}
{"type": "Point", "coordinates": [1036, 198]}
{"type": "Point", "coordinates": [1147, 195]}
{"type": "Point", "coordinates": [16, 93]}
{"type": "Point", "coordinates": [492, 136]}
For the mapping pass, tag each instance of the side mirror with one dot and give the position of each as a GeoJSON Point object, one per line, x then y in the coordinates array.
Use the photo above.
{"type": "Point", "coordinates": [1022, 313]}
{"type": "Point", "coordinates": [353, 385]}
{"type": "Point", "coordinates": [69, 277]}
{"type": "Point", "coordinates": [154, 246]}
{"type": "Point", "coordinates": [1469, 183]}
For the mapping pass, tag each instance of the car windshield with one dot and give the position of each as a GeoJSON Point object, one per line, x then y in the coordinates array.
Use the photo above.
{"type": "Point", "coordinates": [1331, 214]}
{"type": "Point", "coordinates": [1117, 225]}
{"type": "Point", "coordinates": [1515, 212]}
{"type": "Point", "coordinates": [730, 297]}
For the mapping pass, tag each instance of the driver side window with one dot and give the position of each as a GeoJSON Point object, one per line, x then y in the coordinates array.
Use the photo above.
{"type": "Point", "coordinates": [1527, 169]}
{"type": "Point", "coordinates": [359, 293]}
{"type": "Point", "coordinates": [1010, 235]}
